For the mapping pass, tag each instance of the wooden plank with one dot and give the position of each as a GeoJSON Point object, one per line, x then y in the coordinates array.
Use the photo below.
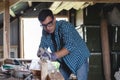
{"type": "Point", "coordinates": [55, 76]}
{"type": "Point", "coordinates": [105, 50]}
{"type": "Point", "coordinates": [44, 70]}
{"type": "Point", "coordinates": [11, 3]}
{"type": "Point", "coordinates": [1, 7]}
{"type": "Point", "coordinates": [21, 38]}
{"type": "Point", "coordinates": [30, 3]}
{"type": "Point", "coordinates": [14, 2]}
{"type": "Point", "coordinates": [61, 7]}
{"type": "Point", "coordinates": [6, 30]}
{"type": "Point", "coordinates": [12, 13]}
{"type": "Point", "coordinates": [55, 5]}
{"type": "Point", "coordinates": [49, 75]}
{"type": "Point", "coordinates": [78, 5]}
{"type": "Point", "coordinates": [96, 1]}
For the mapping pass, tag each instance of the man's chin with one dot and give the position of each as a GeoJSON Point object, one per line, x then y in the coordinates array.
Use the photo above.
{"type": "Point", "coordinates": [50, 32]}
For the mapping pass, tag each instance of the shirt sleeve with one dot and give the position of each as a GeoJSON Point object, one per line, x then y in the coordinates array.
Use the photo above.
{"type": "Point", "coordinates": [69, 34]}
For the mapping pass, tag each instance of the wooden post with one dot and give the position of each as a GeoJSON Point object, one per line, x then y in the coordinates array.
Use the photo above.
{"type": "Point", "coordinates": [44, 70]}
{"type": "Point", "coordinates": [6, 30]}
{"type": "Point", "coordinates": [105, 50]}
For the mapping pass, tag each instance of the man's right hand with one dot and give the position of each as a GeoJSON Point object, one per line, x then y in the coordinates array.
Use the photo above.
{"type": "Point", "coordinates": [40, 52]}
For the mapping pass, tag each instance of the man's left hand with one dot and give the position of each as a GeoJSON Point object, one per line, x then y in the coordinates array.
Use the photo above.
{"type": "Point", "coordinates": [49, 56]}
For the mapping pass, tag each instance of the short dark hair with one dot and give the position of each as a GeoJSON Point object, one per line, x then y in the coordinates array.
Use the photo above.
{"type": "Point", "coordinates": [45, 13]}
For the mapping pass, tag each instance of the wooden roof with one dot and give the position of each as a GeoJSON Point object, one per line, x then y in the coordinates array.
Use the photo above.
{"type": "Point", "coordinates": [12, 3]}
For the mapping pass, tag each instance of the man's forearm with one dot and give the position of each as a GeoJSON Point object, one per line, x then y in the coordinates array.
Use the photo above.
{"type": "Point", "coordinates": [61, 53]}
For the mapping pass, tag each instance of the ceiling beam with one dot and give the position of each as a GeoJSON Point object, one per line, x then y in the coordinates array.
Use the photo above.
{"type": "Point", "coordinates": [75, 5]}
{"type": "Point", "coordinates": [6, 30]}
{"type": "Point", "coordinates": [61, 7]}
{"type": "Point", "coordinates": [11, 3]}
{"type": "Point", "coordinates": [1, 7]}
{"type": "Point", "coordinates": [30, 3]}
{"type": "Point", "coordinates": [71, 4]}
{"type": "Point", "coordinates": [78, 5]}
{"type": "Point", "coordinates": [96, 1]}
{"type": "Point", "coordinates": [55, 5]}
{"type": "Point", "coordinates": [12, 13]}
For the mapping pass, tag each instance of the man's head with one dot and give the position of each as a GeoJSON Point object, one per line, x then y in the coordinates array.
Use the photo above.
{"type": "Point", "coordinates": [47, 20]}
{"type": "Point", "coordinates": [45, 13]}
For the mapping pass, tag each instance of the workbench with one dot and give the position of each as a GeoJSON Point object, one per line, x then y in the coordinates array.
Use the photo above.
{"type": "Point", "coordinates": [42, 73]}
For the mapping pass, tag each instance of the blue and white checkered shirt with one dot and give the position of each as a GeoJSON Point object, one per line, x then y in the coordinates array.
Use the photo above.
{"type": "Point", "coordinates": [66, 36]}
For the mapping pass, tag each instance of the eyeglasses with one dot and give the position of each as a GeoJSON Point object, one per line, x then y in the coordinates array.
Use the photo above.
{"type": "Point", "coordinates": [49, 24]}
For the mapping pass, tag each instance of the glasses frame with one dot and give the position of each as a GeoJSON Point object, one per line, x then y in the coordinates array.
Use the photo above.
{"type": "Point", "coordinates": [49, 24]}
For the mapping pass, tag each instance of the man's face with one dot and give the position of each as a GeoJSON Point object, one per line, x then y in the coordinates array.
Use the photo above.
{"type": "Point", "coordinates": [48, 24]}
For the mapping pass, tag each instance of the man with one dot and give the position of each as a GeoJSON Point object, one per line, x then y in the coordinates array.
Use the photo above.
{"type": "Point", "coordinates": [66, 45]}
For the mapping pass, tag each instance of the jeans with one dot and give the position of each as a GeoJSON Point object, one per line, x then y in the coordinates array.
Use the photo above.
{"type": "Point", "coordinates": [82, 72]}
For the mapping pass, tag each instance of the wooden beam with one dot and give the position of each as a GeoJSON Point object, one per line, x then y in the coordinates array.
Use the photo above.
{"type": "Point", "coordinates": [21, 38]}
{"type": "Point", "coordinates": [11, 3]}
{"type": "Point", "coordinates": [1, 1]}
{"type": "Point", "coordinates": [105, 50]}
{"type": "Point", "coordinates": [78, 5]}
{"type": "Point", "coordinates": [61, 7]}
{"type": "Point", "coordinates": [55, 5]}
{"type": "Point", "coordinates": [14, 2]}
{"type": "Point", "coordinates": [68, 7]}
{"type": "Point", "coordinates": [1, 7]}
{"type": "Point", "coordinates": [30, 3]}
{"type": "Point", "coordinates": [96, 1]}
{"type": "Point", "coordinates": [12, 13]}
{"type": "Point", "coordinates": [6, 30]}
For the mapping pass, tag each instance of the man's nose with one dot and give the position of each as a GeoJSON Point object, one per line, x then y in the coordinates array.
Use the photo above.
{"type": "Point", "coordinates": [47, 27]}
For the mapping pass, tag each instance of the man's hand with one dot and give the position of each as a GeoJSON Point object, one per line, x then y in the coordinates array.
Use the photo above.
{"type": "Point", "coordinates": [40, 52]}
{"type": "Point", "coordinates": [49, 56]}
{"type": "Point", "coordinates": [44, 54]}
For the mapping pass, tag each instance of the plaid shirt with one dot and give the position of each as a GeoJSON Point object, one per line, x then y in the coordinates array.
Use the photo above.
{"type": "Point", "coordinates": [66, 36]}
